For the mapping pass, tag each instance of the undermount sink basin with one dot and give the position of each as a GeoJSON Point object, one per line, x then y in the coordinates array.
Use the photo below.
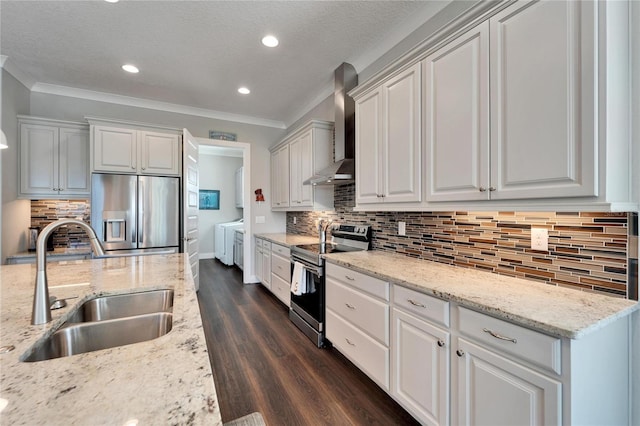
{"type": "Point", "coordinates": [72, 339]}
{"type": "Point", "coordinates": [106, 322]}
{"type": "Point", "coordinates": [123, 305]}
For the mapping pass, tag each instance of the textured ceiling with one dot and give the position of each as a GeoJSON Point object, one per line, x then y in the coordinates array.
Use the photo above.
{"type": "Point", "coordinates": [197, 53]}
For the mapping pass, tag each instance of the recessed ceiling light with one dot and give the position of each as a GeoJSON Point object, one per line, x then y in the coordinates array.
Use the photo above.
{"type": "Point", "coordinates": [130, 68]}
{"type": "Point", "coordinates": [112, 1]}
{"type": "Point", "coordinates": [270, 41]}
{"type": "Point", "coordinates": [244, 91]}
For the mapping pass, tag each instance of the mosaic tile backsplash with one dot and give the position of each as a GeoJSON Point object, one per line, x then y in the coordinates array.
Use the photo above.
{"type": "Point", "coordinates": [44, 212]}
{"type": "Point", "coordinates": [586, 250]}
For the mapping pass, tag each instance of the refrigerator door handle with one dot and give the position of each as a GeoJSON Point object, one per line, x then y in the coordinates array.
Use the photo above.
{"type": "Point", "coordinates": [140, 211]}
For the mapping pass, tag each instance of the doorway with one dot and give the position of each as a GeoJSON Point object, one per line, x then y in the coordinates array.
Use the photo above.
{"type": "Point", "coordinates": [232, 155]}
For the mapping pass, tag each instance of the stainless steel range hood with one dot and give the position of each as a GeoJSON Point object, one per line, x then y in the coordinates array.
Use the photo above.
{"type": "Point", "coordinates": [342, 171]}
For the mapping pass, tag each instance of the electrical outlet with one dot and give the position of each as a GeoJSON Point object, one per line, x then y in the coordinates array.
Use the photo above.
{"type": "Point", "coordinates": [402, 228]}
{"type": "Point", "coordinates": [295, 220]}
{"type": "Point", "coordinates": [259, 219]}
{"type": "Point", "coordinates": [540, 239]}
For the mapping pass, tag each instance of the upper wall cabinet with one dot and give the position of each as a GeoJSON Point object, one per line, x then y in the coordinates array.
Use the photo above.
{"type": "Point", "coordinates": [540, 142]}
{"type": "Point", "coordinates": [54, 159]}
{"type": "Point", "coordinates": [516, 115]}
{"type": "Point", "coordinates": [134, 149]}
{"type": "Point", "coordinates": [303, 153]}
{"type": "Point", "coordinates": [388, 159]}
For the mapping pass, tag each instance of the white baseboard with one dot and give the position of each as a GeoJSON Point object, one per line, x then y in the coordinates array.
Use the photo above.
{"type": "Point", "coordinates": [206, 255]}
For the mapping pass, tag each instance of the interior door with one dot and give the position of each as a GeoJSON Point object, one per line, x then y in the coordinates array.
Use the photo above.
{"type": "Point", "coordinates": [190, 191]}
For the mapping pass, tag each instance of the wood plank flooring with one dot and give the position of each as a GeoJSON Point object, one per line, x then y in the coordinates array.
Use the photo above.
{"type": "Point", "coordinates": [262, 362]}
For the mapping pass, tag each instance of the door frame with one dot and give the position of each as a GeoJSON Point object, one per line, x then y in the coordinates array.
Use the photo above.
{"type": "Point", "coordinates": [247, 277]}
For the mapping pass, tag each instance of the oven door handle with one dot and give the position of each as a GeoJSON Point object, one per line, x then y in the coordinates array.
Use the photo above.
{"type": "Point", "coordinates": [314, 269]}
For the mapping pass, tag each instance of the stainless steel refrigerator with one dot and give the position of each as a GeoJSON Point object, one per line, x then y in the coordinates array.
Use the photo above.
{"type": "Point", "coordinates": [135, 214]}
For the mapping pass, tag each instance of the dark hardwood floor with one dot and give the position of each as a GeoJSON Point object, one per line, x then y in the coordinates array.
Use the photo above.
{"type": "Point", "coordinates": [262, 362]}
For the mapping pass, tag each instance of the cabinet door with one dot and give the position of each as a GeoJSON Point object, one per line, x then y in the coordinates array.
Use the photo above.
{"type": "Point", "coordinates": [280, 177]}
{"type": "Point", "coordinates": [420, 368]}
{"type": "Point", "coordinates": [39, 159]}
{"type": "Point", "coordinates": [301, 169]}
{"type": "Point", "coordinates": [159, 153]}
{"type": "Point", "coordinates": [456, 103]}
{"type": "Point", "coordinates": [74, 175]}
{"type": "Point", "coordinates": [368, 140]}
{"type": "Point", "coordinates": [258, 265]}
{"type": "Point", "coordinates": [266, 266]}
{"type": "Point", "coordinates": [542, 100]}
{"type": "Point", "coordinates": [114, 149]}
{"type": "Point", "coordinates": [493, 390]}
{"type": "Point", "coordinates": [401, 153]}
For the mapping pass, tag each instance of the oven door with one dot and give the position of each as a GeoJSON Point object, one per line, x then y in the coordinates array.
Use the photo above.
{"type": "Point", "coordinates": [310, 306]}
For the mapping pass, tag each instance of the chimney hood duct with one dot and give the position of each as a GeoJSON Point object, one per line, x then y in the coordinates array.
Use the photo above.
{"type": "Point", "coordinates": [342, 171]}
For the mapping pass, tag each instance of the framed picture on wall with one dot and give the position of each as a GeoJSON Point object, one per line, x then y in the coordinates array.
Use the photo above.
{"type": "Point", "coordinates": [209, 199]}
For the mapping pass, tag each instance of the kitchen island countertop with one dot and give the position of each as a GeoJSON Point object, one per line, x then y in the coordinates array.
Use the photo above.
{"type": "Point", "coordinates": [167, 380]}
{"type": "Point", "coordinates": [554, 310]}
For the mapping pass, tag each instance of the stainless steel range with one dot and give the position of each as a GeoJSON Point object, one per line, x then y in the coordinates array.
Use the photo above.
{"type": "Point", "coordinates": [307, 308]}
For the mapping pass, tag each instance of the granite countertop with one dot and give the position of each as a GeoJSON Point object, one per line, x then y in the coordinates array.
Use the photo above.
{"type": "Point", "coordinates": [167, 380]}
{"type": "Point", "coordinates": [554, 310]}
{"type": "Point", "coordinates": [289, 239]}
{"type": "Point", "coordinates": [58, 252]}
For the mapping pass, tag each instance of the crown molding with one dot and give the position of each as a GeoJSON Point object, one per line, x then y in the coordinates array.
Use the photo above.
{"type": "Point", "coordinates": [25, 79]}
{"type": "Point", "coordinates": [72, 92]}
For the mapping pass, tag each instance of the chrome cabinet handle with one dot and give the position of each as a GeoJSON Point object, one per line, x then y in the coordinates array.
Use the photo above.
{"type": "Point", "coordinates": [349, 342]}
{"type": "Point", "coordinates": [60, 189]}
{"type": "Point", "coordinates": [482, 189]}
{"type": "Point", "coordinates": [460, 352]}
{"type": "Point", "coordinates": [498, 336]}
{"type": "Point", "coordinates": [491, 188]}
{"type": "Point", "coordinates": [349, 306]}
{"type": "Point", "coordinates": [414, 303]}
{"type": "Point", "coordinates": [349, 278]}
{"type": "Point", "coordinates": [440, 343]}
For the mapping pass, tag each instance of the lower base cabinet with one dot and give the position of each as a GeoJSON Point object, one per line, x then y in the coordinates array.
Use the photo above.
{"type": "Point", "coordinates": [420, 368]}
{"type": "Point", "coordinates": [450, 365]}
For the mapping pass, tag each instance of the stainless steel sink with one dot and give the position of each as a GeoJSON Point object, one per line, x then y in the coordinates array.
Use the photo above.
{"type": "Point", "coordinates": [71, 339]}
{"type": "Point", "coordinates": [106, 322]}
{"type": "Point", "coordinates": [123, 305]}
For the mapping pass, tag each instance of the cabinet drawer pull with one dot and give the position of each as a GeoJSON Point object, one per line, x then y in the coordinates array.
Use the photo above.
{"type": "Point", "coordinates": [460, 352]}
{"type": "Point", "coordinates": [349, 278]}
{"type": "Point", "coordinates": [440, 343]}
{"type": "Point", "coordinates": [349, 342]}
{"type": "Point", "coordinates": [491, 188]}
{"type": "Point", "coordinates": [482, 189]}
{"type": "Point", "coordinates": [349, 306]}
{"type": "Point", "coordinates": [414, 303]}
{"type": "Point", "coordinates": [498, 336]}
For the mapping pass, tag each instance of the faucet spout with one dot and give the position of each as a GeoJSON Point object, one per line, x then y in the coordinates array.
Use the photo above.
{"type": "Point", "coordinates": [41, 313]}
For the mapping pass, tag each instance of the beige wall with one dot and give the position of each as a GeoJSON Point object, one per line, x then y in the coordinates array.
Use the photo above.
{"type": "Point", "coordinates": [15, 214]}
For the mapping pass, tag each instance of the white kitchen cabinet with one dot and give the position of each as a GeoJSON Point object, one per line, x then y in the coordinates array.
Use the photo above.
{"type": "Point", "coordinates": [281, 273]}
{"type": "Point", "coordinates": [539, 111]}
{"type": "Point", "coordinates": [302, 153]}
{"type": "Point", "coordinates": [456, 131]}
{"type": "Point", "coordinates": [54, 159]}
{"type": "Point", "coordinates": [263, 262]}
{"type": "Point", "coordinates": [238, 249]}
{"type": "Point", "coordinates": [280, 178]}
{"type": "Point", "coordinates": [357, 316]}
{"type": "Point", "coordinates": [134, 150]}
{"type": "Point", "coordinates": [388, 141]}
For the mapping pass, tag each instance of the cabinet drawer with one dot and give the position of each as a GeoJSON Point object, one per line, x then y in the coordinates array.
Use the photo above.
{"type": "Point", "coordinates": [281, 266]}
{"type": "Point", "coordinates": [281, 289]}
{"type": "Point", "coordinates": [369, 355]}
{"type": "Point", "coordinates": [529, 345]}
{"type": "Point", "coordinates": [281, 250]}
{"type": "Point", "coordinates": [422, 305]}
{"type": "Point", "coordinates": [365, 312]}
{"type": "Point", "coordinates": [373, 286]}
{"type": "Point", "coordinates": [259, 242]}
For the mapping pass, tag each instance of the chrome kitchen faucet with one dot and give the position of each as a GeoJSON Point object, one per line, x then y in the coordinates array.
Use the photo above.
{"type": "Point", "coordinates": [41, 310]}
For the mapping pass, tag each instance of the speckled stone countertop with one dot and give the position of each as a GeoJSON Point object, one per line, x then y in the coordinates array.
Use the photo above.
{"type": "Point", "coordinates": [289, 239]}
{"type": "Point", "coordinates": [167, 380]}
{"type": "Point", "coordinates": [56, 254]}
{"type": "Point", "coordinates": [554, 310]}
